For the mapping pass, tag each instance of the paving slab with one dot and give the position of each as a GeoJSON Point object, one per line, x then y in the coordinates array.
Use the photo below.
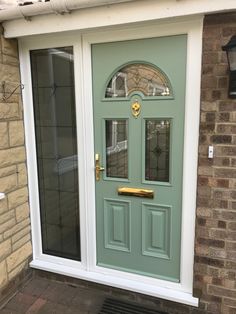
{"type": "Point", "coordinates": [45, 296]}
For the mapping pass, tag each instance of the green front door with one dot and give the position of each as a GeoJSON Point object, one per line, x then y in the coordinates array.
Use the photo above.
{"type": "Point", "coordinates": [139, 101]}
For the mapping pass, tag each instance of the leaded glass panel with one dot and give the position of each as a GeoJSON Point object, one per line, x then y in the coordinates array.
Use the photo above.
{"type": "Point", "coordinates": [138, 77]}
{"type": "Point", "coordinates": [157, 150]}
{"type": "Point", "coordinates": [117, 148]}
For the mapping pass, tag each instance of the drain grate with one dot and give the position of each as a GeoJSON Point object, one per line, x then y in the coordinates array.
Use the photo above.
{"type": "Point", "coordinates": [112, 306]}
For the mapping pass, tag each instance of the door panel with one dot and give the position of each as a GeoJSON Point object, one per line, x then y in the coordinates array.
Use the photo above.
{"type": "Point", "coordinates": [156, 229]}
{"type": "Point", "coordinates": [117, 224]}
{"type": "Point", "coordinates": [139, 94]}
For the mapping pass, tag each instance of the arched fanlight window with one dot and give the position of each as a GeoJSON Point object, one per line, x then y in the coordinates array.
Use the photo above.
{"type": "Point", "coordinates": [138, 77]}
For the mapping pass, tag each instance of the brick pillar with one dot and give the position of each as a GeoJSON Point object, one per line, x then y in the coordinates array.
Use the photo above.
{"type": "Point", "coordinates": [15, 238]}
{"type": "Point", "coordinates": [215, 250]}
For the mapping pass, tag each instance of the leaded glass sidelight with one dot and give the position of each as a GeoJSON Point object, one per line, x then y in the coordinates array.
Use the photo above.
{"type": "Point", "coordinates": [138, 77]}
{"type": "Point", "coordinates": [117, 148]}
{"type": "Point", "coordinates": [56, 142]}
{"type": "Point", "coordinates": [157, 150]}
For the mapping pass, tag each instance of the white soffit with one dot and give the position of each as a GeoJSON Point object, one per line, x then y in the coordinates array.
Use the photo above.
{"type": "Point", "coordinates": [115, 14]}
{"type": "Point", "coordinates": [30, 8]}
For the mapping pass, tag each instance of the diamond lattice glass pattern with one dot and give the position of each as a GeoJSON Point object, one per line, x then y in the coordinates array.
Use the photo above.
{"type": "Point", "coordinates": [117, 149]}
{"type": "Point", "coordinates": [157, 143]}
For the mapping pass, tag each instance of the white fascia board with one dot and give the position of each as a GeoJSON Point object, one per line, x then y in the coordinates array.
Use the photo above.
{"type": "Point", "coordinates": [116, 14]}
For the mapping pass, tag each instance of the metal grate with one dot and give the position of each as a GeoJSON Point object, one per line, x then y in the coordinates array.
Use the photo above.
{"type": "Point", "coordinates": [112, 306]}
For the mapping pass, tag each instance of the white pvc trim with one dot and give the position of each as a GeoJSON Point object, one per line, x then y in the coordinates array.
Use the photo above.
{"type": "Point", "coordinates": [119, 14]}
{"type": "Point", "coordinates": [51, 7]}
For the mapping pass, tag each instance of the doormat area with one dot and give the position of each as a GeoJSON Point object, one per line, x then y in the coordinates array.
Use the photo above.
{"type": "Point", "coordinates": [113, 306]}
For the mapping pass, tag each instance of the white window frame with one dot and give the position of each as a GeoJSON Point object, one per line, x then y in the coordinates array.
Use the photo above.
{"type": "Point", "coordinates": [87, 268]}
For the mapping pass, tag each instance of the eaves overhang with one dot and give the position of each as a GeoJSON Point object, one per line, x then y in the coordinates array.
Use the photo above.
{"type": "Point", "coordinates": [75, 15]}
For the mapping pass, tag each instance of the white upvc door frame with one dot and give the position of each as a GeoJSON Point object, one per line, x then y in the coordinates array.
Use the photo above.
{"type": "Point", "coordinates": [25, 46]}
{"type": "Point", "coordinates": [87, 268]}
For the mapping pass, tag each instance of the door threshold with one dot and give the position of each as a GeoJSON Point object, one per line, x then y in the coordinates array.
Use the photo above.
{"type": "Point", "coordinates": [170, 294]}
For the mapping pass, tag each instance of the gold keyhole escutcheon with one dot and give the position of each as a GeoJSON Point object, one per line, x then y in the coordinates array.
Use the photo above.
{"type": "Point", "coordinates": [136, 108]}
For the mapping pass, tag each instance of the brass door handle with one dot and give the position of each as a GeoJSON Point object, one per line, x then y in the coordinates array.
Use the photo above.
{"type": "Point", "coordinates": [98, 168]}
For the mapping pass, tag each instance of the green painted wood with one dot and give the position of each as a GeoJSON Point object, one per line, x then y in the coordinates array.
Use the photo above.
{"type": "Point", "coordinates": [168, 54]}
{"type": "Point", "coordinates": [117, 225]}
{"type": "Point", "coordinates": [156, 225]}
{"type": "Point", "coordinates": [157, 230]}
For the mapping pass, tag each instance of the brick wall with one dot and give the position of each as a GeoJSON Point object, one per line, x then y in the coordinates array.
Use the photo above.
{"type": "Point", "coordinates": [15, 241]}
{"type": "Point", "coordinates": [215, 251]}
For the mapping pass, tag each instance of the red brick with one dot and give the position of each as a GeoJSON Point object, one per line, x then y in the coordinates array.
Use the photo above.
{"type": "Point", "coordinates": [232, 225]}
{"type": "Point", "coordinates": [220, 70]}
{"type": "Point", "coordinates": [223, 117]}
{"type": "Point", "coordinates": [202, 181]}
{"type": "Point", "coordinates": [222, 82]}
{"type": "Point", "coordinates": [216, 94]}
{"type": "Point", "coordinates": [233, 205]}
{"type": "Point", "coordinates": [221, 139]}
{"type": "Point", "coordinates": [208, 69]}
{"type": "Point", "coordinates": [231, 302]}
{"type": "Point", "coordinates": [214, 307]}
{"type": "Point", "coordinates": [225, 173]}
{"type": "Point", "coordinates": [211, 242]}
{"type": "Point", "coordinates": [210, 117]}
{"type": "Point", "coordinates": [218, 234]}
{"type": "Point", "coordinates": [210, 58]}
{"type": "Point", "coordinates": [220, 161]}
{"type": "Point", "coordinates": [208, 127]}
{"type": "Point", "coordinates": [204, 191]}
{"type": "Point", "coordinates": [228, 215]}
{"type": "Point", "coordinates": [228, 31]}
{"type": "Point", "coordinates": [231, 235]}
{"type": "Point", "coordinates": [233, 195]}
{"type": "Point", "coordinates": [220, 204]}
{"type": "Point", "coordinates": [202, 231]}
{"type": "Point", "coordinates": [209, 261]}
{"type": "Point", "coordinates": [231, 246]}
{"type": "Point", "coordinates": [230, 264]}
{"type": "Point", "coordinates": [222, 183]}
{"type": "Point", "coordinates": [227, 106]}
{"type": "Point", "coordinates": [226, 128]}
{"type": "Point", "coordinates": [221, 224]}
{"type": "Point", "coordinates": [219, 291]}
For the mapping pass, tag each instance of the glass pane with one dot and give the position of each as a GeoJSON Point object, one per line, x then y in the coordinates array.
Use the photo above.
{"type": "Point", "coordinates": [232, 58]}
{"type": "Point", "coordinates": [157, 148]}
{"type": "Point", "coordinates": [141, 77]}
{"type": "Point", "coordinates": [117, 149]}
{"type": "Point", "coordinates": [55, 129]}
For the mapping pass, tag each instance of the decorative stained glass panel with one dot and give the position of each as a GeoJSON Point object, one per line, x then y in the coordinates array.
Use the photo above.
{"type": "Point", "coordinates": [157, 150]}
{"type": "Point", "coordinates": [117, 148]}
{"type": "Point", "coordinates": [138, 77]}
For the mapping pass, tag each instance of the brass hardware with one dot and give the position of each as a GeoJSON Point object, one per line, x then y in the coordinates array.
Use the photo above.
{"type": "Point", "coordinates": [136, 108]}
{"type": "Point", "coordinates": [98, 168]}
{"type": "Point", "coordinates": [135, 192]}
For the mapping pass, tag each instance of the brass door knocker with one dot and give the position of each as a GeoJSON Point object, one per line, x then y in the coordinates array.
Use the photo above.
{"type": "Point", "coordinates": [136, 108]}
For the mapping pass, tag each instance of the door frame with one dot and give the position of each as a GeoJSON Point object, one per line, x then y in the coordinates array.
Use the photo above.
{"type": "Point", "coordinates": [87, 269]}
